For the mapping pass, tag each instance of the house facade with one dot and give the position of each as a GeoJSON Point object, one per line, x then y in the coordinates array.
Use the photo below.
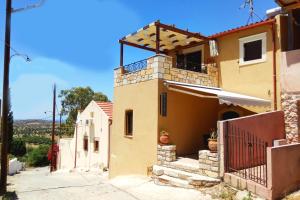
{"type": "Point", "coordinates": [89, 147]}
{"type": "Point", "coordinates": [191, 83]}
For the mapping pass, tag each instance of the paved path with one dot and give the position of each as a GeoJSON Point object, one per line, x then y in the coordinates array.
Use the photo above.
{"type": "Point", "coordinates": [39, 184]}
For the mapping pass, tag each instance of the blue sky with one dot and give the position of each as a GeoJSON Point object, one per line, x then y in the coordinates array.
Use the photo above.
{"type": "Point", "coordinates": [75, 42]}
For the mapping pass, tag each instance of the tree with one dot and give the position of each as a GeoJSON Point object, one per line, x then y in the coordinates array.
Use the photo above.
{"type": "Point", "coordinates": [77, 98]}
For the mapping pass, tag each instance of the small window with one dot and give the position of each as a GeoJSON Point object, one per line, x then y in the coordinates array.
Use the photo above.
{"type": "Point", "coordinates": [92, 114]}
{"type": "Point", "coordinates": [128, 122]}
{"type": "Point", "coordinates": [163, 104]}
{"type": "Point", "coordinates": [96, 145]}
{"type": "Point", "coordinates": [253, 49]}
{"type": "Point", "coordinates": [85, 143]}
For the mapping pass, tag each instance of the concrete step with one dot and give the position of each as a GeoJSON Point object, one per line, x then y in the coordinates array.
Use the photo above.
{"type": "Point", "coordinates": [166, 175]}
{"type": "Point", "coordinates": [171, 181]}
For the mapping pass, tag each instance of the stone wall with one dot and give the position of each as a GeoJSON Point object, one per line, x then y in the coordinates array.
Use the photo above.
{"type": "Point", "coordinates": [209, 163]}
{"type": "Point", "coordinates": [166, 154]}
{"type": "Point", "coordinates": [160, 67]}
{"type": "Point", "coordinates": [291, 107]}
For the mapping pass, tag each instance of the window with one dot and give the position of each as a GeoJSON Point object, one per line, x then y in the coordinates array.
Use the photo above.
{"type": "Point", "coordinates": [128, 122]}
{"type": "Point", "coordinates": [253, 49]}
{"type": "Point", "coordinates": [92, 114]}
{"type": "Point", "coordinates": [190, 61]}
{"type": "Point", "coordinates": [163, 104]}
{"type": "Point", "coordinates": [85, 143]}
{"type": "Point", "coordinates": [96, 145]}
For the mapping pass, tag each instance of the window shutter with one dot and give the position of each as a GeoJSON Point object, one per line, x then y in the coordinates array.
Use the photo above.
{"type": "Point", "coordinates": [163, 104]}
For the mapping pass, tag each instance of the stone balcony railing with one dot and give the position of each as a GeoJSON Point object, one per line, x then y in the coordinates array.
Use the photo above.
{"type": "Point", "coordinates": [160, 67]}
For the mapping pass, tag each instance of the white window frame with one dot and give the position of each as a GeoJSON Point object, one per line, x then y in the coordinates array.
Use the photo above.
{"type": "Point", "coordinates": [242, 41]}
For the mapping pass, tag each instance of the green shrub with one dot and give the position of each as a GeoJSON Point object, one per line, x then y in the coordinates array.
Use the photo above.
{"type": "Point", "coordinates": [18, 147]}
{"type": "Point", "coordinates": [38, 157]}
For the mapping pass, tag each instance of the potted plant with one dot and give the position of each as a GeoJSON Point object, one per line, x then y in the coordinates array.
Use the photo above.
{"type": "Point", "coordinates": [213, 140]}
{"type": "Point", "coordinates": [164, 137]}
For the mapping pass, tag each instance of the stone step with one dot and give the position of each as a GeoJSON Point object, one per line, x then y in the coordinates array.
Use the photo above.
{"type": "Point", "coordinates": [192, 179]}
{"type": "Point", "coordinates": [171, 181]}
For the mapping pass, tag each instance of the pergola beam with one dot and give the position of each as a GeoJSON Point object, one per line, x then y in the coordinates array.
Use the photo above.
{"type": "Point", "coordinates": [157, 39]}
{"type": "Point", "coordinates": [139, 46]}
{"type": "Point", "coordinates": [177, 30]}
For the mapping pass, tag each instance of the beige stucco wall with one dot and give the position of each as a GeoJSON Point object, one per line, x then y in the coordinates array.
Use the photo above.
{"type": "Point", "coordinates": [253, 79]}
{"type": "Point", "coordinates": [134, 155]}
{"type": "Point", "coordinates": [290, 71]}
{"type": "Point", "coordinates": [98, 129]}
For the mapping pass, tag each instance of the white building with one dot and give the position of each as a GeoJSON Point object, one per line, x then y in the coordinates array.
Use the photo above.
{"type": "Point", "coordinates": [90, 140]}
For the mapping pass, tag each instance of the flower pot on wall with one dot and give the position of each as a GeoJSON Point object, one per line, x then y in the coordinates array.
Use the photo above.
{"type": "Point", "coordinates": [164, 139]}
{"type": "Point", "coordinates": [213, 145]}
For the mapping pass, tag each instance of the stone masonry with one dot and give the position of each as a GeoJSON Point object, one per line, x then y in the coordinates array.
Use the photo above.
{"type": "Point", "coordinates": [160, 67]}
{"type": "Point", "coordinates": [291, 108]}
{"type": "Point", "coordinates": [166, 154]}
{"type": "Point", "coordinates": [209, 163]}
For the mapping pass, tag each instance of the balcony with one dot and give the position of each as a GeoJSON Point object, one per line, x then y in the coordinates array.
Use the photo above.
{"type": "Point", "coordinates": [161, 67]}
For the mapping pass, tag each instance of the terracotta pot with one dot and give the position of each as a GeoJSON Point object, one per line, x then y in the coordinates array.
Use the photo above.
{"type": "Point", "coordinates": [164, 139]}
{"type": "Point", "coordinates": [213, 145]}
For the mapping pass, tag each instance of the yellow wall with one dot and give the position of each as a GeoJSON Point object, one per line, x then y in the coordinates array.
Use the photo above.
{"type": "Point", "coordinates": [253, 79]}
{"type": "Point", "coordinates": [134, 155]}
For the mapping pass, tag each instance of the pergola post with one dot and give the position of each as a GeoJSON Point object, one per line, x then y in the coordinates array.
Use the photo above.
{"type": "Point", "coordinates": [157, 39]}
{"type": "Point", "coordinates": [121, 54]}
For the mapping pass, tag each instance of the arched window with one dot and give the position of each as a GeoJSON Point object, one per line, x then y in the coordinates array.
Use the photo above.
{"type": "Point", "coordinates": [230, 115]}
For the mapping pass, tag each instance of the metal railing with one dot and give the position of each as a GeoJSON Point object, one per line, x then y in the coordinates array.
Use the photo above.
{"type": "Point", "coordinates": [245, 155]}
{"type": "Point", "coordinates": [136, 66]}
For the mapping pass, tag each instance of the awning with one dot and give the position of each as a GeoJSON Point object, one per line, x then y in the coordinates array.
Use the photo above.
{"type": "Point", "coordinates": [229, 98]}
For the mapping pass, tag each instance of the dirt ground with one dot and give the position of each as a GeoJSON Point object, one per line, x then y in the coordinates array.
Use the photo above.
{"type": "Point", "coordinates": [39, 184]}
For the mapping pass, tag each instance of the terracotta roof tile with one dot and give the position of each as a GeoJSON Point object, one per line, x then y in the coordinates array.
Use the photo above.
{"type": "Point", "coordinates": [241, 28]}
{"type": "Point", "coordinates": [107, 107]}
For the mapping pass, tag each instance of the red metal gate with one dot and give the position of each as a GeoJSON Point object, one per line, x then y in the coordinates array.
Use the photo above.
{"type": "Point", "coordinates": [245, 154]}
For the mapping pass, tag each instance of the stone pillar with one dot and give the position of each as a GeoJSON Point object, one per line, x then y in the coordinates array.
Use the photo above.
{"type": "Point", "coordinates": [291, 109]}
{"type": "Point", "coordinates": [166, 154]}
{"type": "Point", "coordinates": [209, 163]}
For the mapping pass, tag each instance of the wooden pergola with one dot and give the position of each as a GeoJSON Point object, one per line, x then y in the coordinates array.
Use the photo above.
{"type": "Point", "coordinates": [161, 38]}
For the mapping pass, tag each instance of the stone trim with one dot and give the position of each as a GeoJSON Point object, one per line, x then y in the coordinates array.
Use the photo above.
{"type": "Point", "coordinates": [166, 154]}
{"type": "Point", "coordinates": [160, 67]}
{"type": "Point", "coordinates": [291, 108]}
{"type": "Point", "coordinates": [209, 163]}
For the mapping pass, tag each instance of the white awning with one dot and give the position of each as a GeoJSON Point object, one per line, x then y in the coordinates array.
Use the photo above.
{"type": "Point", "coordinates": [217, 93]}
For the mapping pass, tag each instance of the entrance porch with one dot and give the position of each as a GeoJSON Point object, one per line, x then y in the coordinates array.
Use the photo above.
{"type": "Point", "coordinates": [190, 114]}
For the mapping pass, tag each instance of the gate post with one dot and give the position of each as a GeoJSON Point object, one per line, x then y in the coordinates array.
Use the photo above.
{"type": "Point", "coordinates": [222, 132]}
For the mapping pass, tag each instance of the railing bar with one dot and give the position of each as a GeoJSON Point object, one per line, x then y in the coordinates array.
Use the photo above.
{"type": "Point", "coordinates": [256, 159]}
{"type": "Point", "coordinates": [235, 149]}
{"type": "Point", "coordinates": [243, 153]}
{"type": "Point", "coordinates": [232, 149]}
{"type": "Point", "coordinates": [266, 176]}
{"type": "Point", "coordinates": [251, 157]}
{"type": "Point", "coordinates": [260, 161]}
{"type": "Point", "coordinates": [239, 153]}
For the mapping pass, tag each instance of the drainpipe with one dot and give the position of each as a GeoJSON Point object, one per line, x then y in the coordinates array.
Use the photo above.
{"type": "Point", "coordinates": [274, 64]}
